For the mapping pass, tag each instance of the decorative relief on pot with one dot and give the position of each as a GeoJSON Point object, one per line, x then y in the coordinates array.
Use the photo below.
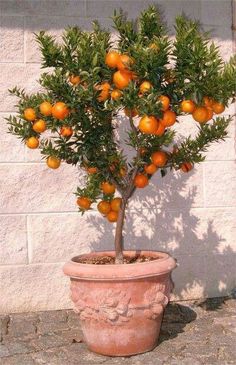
{"type": "Point", "coordinates": [155, 301]}
{"type": "Point", "coordinates": [113, 307]}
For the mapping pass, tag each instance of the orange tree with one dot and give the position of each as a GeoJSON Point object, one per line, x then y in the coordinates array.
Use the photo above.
{"type": "Point", "coordinates": [149, 77]}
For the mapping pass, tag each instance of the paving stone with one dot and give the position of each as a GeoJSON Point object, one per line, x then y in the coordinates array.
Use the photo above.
{"type": "Point", "coordinates": [21, 325]}
{"type": "Point", "coordinates": [72, 335]}
{"type": "Point", "coordinates": [52, 321]}
{"type": "Point", "coordinates": [18, 360]}
{"type": "Point", "coordinates": [73, 319]}
{"type": "Point", "coordinates": [4, 320]}
{"type": "Point", "coordinates": [228, 323]}
{"type": "Point", "coordinates": [15, 346]}
{"type": "Point", "coordinates": [3, 351]}
{"type": "Point", "coordinates": [44, 342]}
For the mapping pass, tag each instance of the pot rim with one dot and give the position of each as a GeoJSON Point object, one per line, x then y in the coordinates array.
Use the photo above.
{"type": "Point", "coordinates": [165, 264]}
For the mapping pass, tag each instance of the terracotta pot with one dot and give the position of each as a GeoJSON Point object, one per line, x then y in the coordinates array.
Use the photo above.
{"type": "Point", "coordinates": [121, 306]}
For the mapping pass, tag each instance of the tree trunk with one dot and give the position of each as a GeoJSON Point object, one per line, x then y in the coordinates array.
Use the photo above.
{"type": "Point", "coordinates": [119, 233]}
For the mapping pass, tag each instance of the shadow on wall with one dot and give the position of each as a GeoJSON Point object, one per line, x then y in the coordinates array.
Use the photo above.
{"type": "Point", "coordinates": [162, 218]}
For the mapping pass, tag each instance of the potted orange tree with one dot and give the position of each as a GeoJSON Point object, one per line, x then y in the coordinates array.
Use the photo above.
{"type": "Point", "coordinates": [120, 295]}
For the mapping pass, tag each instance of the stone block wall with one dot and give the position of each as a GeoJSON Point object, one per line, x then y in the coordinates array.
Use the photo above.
{"type": "Point", "coordinates": [193, 216]}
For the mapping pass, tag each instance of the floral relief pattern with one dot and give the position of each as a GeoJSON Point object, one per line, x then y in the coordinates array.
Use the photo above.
{"type": "Point", "coordinates": [155, 301]}
{"type": "Point", "coordinates": [114, 306]}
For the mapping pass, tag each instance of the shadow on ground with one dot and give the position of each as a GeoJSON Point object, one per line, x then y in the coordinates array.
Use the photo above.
{"type": "Point", "coordinates": [176, 317]}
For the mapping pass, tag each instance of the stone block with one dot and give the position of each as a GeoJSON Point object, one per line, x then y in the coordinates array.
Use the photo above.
{"type": "Point", "coordinates": [57, 237]}
{"type": "Point", "coordinates": [22, 75]}
{"type": "Point", "coordinates": [189, 278]}
{"type": "Point", "coordinates": [13, 240]}
{"type": "Point", "coordinates": [222, 150]}
{"type": "Point", "coordinates": [36, 188]}
{"type": "Point", "coordinates": [222, 37]}
{"type": "Point", "coordinates": [43, 7]}
{"type": "Point", "coordinates": [105, 8]}
{"type": "Point", "coordinates": [178, 189]}
{"type": "Point", "coordinates": [220, 273]}
{"type": "Point", "coordinates": [54, 26]}
{"type": "Point", "coordinates": [171, 9]}
{"type": "Point", "coordinates": [180, 232]}
{"type": "Point", "coordinates": [12, 39]}
{"type": "Point", "coordinates": [211, 231]}
{"type": "Point", "coordinates": [220, 181]}
{"type": "Point", "coordinates": [11, 148]}
{"type": "Point", "coordinates": [33, 287]}
{"type": "Point", "coordinates": [217, 12]}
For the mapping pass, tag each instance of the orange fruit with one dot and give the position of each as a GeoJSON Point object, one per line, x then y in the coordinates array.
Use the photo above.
{"type": "Point", "coordinates": [66, 131]}
{"type": "Point", "coordinates": [169, 118]}
{"type": "Point", "coordinates": [148, 124]}
{"type": "Point", "coordinates": [108, 188]}
{"type": "Point", "coordinates": [150, 169]}
{"type": "Point", "coordinates": [145, 87]}
{"type": "Point", "coordinates": [112, 216]}
{"type": "Point", "coordinates": [116, 204]}
{"type": "Point", "coordinates": [208, 101]}
{"type": "Point", "coordinates": [32, 142]}
{"type": "Point", "coordinates": [131, 112]}
{"type": "Point", "coordinates": [45, 108]}
{"type": "Point", "coordinates": [218, 108]}
{"type": "Point", "coordinates": [75, 79]}
{"type": "Point", "coordinates": [112, 58]}
{"type": "Point", "coordinates": [165, 101]}
{"type": "Point", "coordinates": [187, 106]}
{"type": "Point", "coordinates": [154, 46]}
{"type": "Point", "coordinates": [123, 171]}
{"type": "Point", "coordinates": [186, 166]}
{"type": "Point", "coordinates": [60, 110]}
{"type": "Point", "coordinates": [39, 126]}
{"type": "Point", "coordinates": [143, 151]}
{"type": "Point", "coordinates": [30, 114]}
{"type": "Point", "coordinates": [140, 181]}
{"type": "Point", "coordinates": [105, 90]}
{"type": "Point", "coordinates": [116, 94]}
{"type": "Point", "coordinates": [53, 162]}
{"type": "Point", "coordinates": [124, 62]}
{"type": "Point", "coordinates": [84, 202]}
{"type": "Point", "coordinates": [92, 170]}
{"type": "Point", "coordinates": [210, 113]}
{"type": "Point", "coordinates": [160, 129]}
{"type": "Point", "coordinates": [122, 78]}
{"type": "Point", "coordinates": [200, 114]}
{"type": "Point", "coordinates": [159, 158]}
{"type": "Point", "coordinates": [104, 207]}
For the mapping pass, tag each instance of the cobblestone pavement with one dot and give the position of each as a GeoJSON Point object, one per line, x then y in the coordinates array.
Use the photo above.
{"type": "Point", "coordinates": [192, 333]}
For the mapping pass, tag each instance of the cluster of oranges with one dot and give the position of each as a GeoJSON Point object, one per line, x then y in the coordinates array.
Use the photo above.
{"type": "Point", "coordinates": [149, 124]}
{"type": "Point", "coordinates": [158, 159]}
{"type": "Point", "coordinates": [121, 79]}
{"type": "Point", "coordinates": [108, 208]}
{"type": "Point", "coordinates": [59, 111]}
{"type": "Point", "coordinates": [202, 113]}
